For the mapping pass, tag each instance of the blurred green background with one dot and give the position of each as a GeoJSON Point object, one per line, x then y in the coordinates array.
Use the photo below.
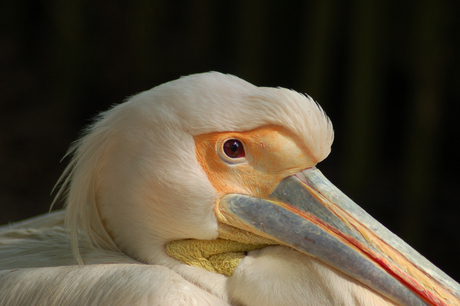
{"type": "Point", "coordinates": [385, 71]}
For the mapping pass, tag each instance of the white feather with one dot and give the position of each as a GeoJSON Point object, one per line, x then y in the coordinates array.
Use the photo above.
{"type": "Point", "coordinates": [141, 155]}
{"type": "Point", "coordinates": [130, 175]}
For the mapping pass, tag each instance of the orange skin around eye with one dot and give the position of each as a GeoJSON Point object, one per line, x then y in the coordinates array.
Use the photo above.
{"type": "Point", "coordinates": [271, 154]}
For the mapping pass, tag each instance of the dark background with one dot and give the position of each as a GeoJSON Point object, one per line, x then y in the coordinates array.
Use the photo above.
{"type": "Point", "coordinates": [385, 71]}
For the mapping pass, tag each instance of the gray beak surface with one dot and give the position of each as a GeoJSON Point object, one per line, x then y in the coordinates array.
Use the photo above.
{"type": "Point", "coordinates": [309, 214]}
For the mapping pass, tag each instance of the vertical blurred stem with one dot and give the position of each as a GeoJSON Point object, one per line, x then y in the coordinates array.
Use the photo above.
{"type": "Point", "coordinates": [68, 52]}
{"type": "Point", "coordinates": [363, 95]}
{"type": "Point", "coordinates": [250, 45]}
{"type": "Point", "coordinates": [201, 27]}
{"type": "Point", "coordinates": [144, 24]}
{"type": "Point", "coordinates": [67, 49]}
{"type": "Point", "coordinates": [421, 142]}
{"type": "Point", "coordinates": [317, 47]}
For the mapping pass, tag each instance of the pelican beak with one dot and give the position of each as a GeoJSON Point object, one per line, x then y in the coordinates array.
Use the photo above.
{"type": "Point", "coordinates": [309, 214]}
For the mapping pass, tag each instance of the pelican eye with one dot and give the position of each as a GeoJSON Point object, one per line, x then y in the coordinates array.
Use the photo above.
{"type": "Point", "coordinates": [233, 148]}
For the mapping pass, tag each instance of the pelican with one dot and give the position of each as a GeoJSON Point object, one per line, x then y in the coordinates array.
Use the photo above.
{"type": "Point", "coordinates": [205, 191]}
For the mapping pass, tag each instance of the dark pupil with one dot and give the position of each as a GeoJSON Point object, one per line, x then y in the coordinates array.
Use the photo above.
{"type": "Point", "coordinates": [234, 148]}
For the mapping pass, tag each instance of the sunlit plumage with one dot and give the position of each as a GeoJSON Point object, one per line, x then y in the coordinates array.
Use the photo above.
{"type": "Point", "coordinates": [150, 171]}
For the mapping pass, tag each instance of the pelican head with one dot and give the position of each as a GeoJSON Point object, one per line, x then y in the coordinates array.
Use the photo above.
{"type": "Point", "coordinates": [191, 158]}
